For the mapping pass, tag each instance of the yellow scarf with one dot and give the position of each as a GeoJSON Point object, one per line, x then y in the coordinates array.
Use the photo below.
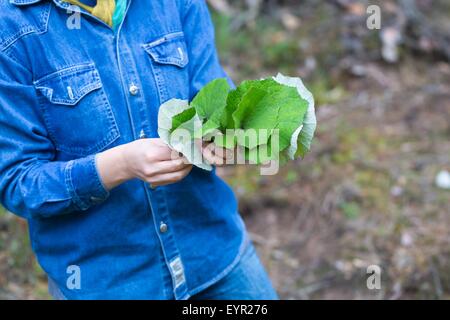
{"type": "Point", "coordinates": [104, 9]}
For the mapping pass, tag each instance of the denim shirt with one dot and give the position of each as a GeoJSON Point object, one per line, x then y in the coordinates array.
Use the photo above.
{"type": "Point", "coordinates": [67, 94]}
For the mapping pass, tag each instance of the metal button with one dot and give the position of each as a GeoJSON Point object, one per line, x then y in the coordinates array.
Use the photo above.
{"type": "Point", "coordinates": [163, 227]}
{"type": "Point", "coordinates": [142, 134]}
{"type": "Point", "coordinates": [134, 90]}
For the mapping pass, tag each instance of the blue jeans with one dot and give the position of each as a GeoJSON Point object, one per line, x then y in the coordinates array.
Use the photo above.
{"type": "Point", "coordinates": [246, 281]}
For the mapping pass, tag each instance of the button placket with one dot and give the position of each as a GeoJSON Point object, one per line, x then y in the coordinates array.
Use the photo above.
{"type": "Point", "coordinates": [169, 245]}
{"type": "Point", "coordinates": [157, 201]}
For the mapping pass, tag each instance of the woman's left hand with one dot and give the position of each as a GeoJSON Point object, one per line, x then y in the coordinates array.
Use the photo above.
{"type": "Point", "coordinates": [218, 156]}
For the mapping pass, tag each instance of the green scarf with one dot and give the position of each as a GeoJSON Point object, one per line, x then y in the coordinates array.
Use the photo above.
{"type": "Point", "coordinates": [109, 11]}
{"type": "Point", "coordinates": [119, 13]}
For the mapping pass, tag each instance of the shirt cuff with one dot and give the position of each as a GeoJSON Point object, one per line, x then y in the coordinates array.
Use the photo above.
{"type": "Point", "coordinates": [84, 184]}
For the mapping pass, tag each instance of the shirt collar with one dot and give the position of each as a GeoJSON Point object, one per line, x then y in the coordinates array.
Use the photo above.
{"type": "Point", "coordinates": [60, 3]}
{"type": "Point", "coordinates": [23, 2]}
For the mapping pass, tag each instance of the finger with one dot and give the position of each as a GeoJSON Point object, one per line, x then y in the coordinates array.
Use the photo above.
{"type": "Point", "coordinates": [168, 178]}
{"type": "Point", "coordinates": [159, 153]}
{"type": "Point", "coordinates": [208, 152]}
{"type": "Point", "coordinates": [163, 153]}
{"type": "Point", "coordinates": [176, 155]}
{"type": "Point", "coordinates": [224, 153]}
{"type": "Point", "coordinates": [219, 152]}
{"type": "Point", "coordinates": [217, 155]}
{"type": "Point", "coordinates": [206, 144]}
{"type": "Point", "coordinates": [167, 166]}
{"type": "Point", "coordinates": [216, 160]}
{"type": "Point", "coordinates": [213, 159]}
{"type": "Point", "coordinates": [159, 142]}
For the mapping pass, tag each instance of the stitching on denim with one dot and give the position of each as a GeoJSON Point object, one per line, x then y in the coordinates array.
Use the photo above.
{"type": "Point", "coordinates": [27, 30]}
{"type": "Point", "coordinates": [20, 2]}
{"type": "Point", "coordinates": [158, 73]}
{"type": "Point", "coordinates": [175, 60]}
{"type": "Point", "coordinates": [170, 60]}
{"type": "Point", "coordinates": [80, 94]}
{"type": "Point", "coordinates": [113, 132]}
{"type": "Point", "coordinates": [159, 83]}
{"type": "Point", "coordinates": [66, 70]}
{"type": "Point", "coordinates": [165, 38]}
{"type": "Point", "coordinates": [70, 188]}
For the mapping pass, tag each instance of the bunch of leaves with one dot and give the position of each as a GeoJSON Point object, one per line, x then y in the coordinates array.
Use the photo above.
{"type": "Point", "coordinates": [270, 119]}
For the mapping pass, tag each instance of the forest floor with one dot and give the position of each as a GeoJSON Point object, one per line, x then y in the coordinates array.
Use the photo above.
{"type": "Point", "coordinates": [365, 195]}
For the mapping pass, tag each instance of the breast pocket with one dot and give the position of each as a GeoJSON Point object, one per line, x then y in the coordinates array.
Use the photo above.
{"type": "Point", "coordinates": [169, 56]}
{"type": "Point", "coordinates": [77, 112]}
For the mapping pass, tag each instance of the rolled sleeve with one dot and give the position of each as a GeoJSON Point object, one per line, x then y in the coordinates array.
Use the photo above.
{"type": "Point", "coordinates": [84, 183]}
{"type": "Point", "coordinates": [32, 183]}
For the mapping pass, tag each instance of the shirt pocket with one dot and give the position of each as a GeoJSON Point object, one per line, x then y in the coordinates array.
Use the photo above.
{"type": "Point", "coordinates": [77, 113]}
{"type": "Point", "coordinates": [169, 57]}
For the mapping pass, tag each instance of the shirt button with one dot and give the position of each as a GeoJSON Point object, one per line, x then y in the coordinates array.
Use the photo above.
{"type": "Point", "coordinates": [142, 134]}
{"type": "Point", "coordinates": [163, 227]}
{"type": "Point", "coordinates": [134, 90]}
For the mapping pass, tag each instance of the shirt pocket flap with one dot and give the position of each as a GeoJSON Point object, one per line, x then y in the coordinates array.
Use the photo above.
{"type": "Point", "coordinates": [68, 86]}
{"type": "Point", "coordinates": [170, 49]}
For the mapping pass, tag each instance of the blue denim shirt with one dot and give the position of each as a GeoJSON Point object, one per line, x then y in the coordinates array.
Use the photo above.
{"type": "Point", "coordinates": [67, 94]}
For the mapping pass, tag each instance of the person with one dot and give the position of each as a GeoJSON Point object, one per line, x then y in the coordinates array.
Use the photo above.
{"type": "Point", "coordinates": [112, 213]}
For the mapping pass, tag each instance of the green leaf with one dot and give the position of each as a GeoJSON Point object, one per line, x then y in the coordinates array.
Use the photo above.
{"type": "Point", "coordinates": [208, 128]}
{"type": "Point", "coordinates": [235, 98]}
{"type": "Point", "coordinates": [247, 106]}
{"type": "Point", "coordinates": [212, 99]}
{"type": "Point", "coordinates": [225, 141]}
{"type": "Point", "coordinates": [167, 111]}
{"type": "Point", "coordinates": [182, 117]}
{"type": "Point", "coordinates": [293, 112]}
{"type": "Point", "coordinates": [305, 132]}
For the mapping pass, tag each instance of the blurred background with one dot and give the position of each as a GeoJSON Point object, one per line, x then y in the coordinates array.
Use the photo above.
{"type": "Point", "coordinates": [375, 190]}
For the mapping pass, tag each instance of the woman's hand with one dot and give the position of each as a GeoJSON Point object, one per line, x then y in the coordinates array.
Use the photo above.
{"type": "Point", "coordinates": [217, 156]}
{"type": "Point", "coordinates": [150, 160]}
